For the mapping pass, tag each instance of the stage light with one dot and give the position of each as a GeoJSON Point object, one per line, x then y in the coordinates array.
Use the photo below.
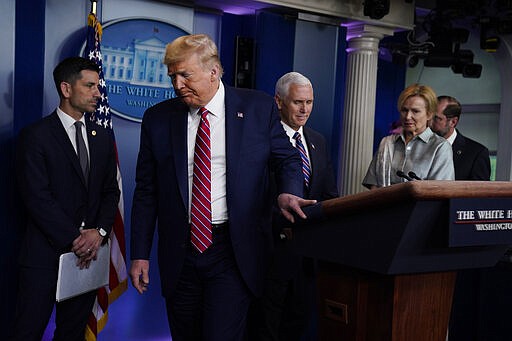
{"type": "Point", "coordinates": [472, 71]}
{"type": "Point", "coordinates": [376, 9]}
{"type": "Point", "coordinates": [462, 58]}
{"type": "Point", "coordinates": [489, 40]}
{"type": "Point", "coordinates": [412, 60]}
{"type": "Point", "coordinates": [489, 44]}
{"type": "Point", "coordinates": [439, 59]}
{"type": "Point", "coordinates": [459, 35]}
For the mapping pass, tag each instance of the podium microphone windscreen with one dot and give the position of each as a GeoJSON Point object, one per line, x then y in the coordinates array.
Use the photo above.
{"type": "Point", "coordinates": [403, 175]}
{"type": "Point", "coordinates": [414, 176]}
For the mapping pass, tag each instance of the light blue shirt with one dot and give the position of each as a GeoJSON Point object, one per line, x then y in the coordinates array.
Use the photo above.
{"type": "Point", "coordinates": [427, 154]}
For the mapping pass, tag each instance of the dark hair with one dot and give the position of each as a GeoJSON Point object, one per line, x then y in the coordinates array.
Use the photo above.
{"type": "Point", "coordinates": [69, 70]}
{"type": "Point", "coordinates": [453, 109]}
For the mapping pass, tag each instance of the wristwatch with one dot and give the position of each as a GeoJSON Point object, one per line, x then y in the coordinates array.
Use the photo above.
{"type": "Point", "coordinates": [102, 232]}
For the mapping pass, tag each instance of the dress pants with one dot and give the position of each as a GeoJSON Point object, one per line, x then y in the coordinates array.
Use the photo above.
{"type": "Point", "coordinates": [481, 304]}
{"type": "Point", "coordinates": [36, 298]}
{"type": "Point", "coordinates": [211, 299]}
{"type": "Point", "coordinates": [288, 302]}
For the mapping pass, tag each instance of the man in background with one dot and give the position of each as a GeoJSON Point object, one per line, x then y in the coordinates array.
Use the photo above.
{"type": "Point", "coordinates": [288, 298]}
{"type": "Point", "coordinates": [470, 158]}
{"type": "Point", "coordinates": [203, 172]}
{"type": "Point", "coordinates": [67, 170]}
{"type": "Point", "coordinates": [471, 162]}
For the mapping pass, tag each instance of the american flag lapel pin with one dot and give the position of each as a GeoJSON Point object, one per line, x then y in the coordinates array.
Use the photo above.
{"type": "Point", "coordinates": [240, 114]}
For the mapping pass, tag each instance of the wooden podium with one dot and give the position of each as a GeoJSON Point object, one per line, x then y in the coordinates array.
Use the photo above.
{"type": "Point", "coordinates": [386, 269]}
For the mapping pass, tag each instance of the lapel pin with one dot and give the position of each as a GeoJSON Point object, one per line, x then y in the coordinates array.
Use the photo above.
{"type": "Point", "coordinates": [93, 133]}
{"type": "Point", "coordinates": [313, 146]}
{"type": "Point", "coordinates": [240, 114]}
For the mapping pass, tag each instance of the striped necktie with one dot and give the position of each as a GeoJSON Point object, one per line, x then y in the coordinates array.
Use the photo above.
{"type": "Point", "coordinates": [201, 211]}
{"type": "Point", "coordinates": [306, 168]}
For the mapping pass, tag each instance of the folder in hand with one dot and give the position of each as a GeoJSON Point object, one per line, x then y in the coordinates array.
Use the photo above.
{"type": "Point", "coordinates": [73, 281]}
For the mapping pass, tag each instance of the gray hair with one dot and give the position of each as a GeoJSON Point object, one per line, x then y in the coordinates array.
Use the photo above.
{"type": "Point", "coordinates": [283, 83]}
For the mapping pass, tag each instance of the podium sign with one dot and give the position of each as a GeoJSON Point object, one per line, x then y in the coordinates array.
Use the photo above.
{"type": "Point", "coordinates": [480, 221]}
{"type": "Point", "coordinates": [387, 258]}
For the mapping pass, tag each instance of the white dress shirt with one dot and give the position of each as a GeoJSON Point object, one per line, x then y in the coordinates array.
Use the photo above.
{"type": "Point", "coordinates": [290, 132]}
{"type": "Point", "coordinates": [452, 137]}
{"type": "Point", "coordinates": [69, 124]}
{"type": "Point", "coordinates": [217, 120]}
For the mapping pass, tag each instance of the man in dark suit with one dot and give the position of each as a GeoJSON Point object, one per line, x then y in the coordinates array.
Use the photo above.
{"type": "Point", "coordinates": [470, 158]}
{"type": "Point", "coordinates": [471, 162]}
{"type": "Point", "coordinates": [209, 194]}
{"type": "Point", "coordinates": [283, 311]}
{"type": "Point", "coordinates": [70, 193]}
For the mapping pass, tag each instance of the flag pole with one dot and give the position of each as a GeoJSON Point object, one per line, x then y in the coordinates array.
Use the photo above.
{"type": "Point", "coordinates": [93, 6]}
{"type": "Point", "coordinates": [118, 276]}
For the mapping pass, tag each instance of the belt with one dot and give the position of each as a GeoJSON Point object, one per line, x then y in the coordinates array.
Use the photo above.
{"type": "Point", "coordinates": [219, 228]}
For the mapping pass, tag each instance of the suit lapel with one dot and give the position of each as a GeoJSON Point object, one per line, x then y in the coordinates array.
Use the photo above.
{"type": "Point", "coordinates": [458, 147]}
{"type": "Point", "coordinates": [313, 157]}
{"type": "Point", "coordinates": [178, 121]}
{"type": "Point", "coordinates": [63, 141]}
{"type": "Point", "coordinates": [94, 145]}
{"type": "Point", "coordinates": [235, 123]}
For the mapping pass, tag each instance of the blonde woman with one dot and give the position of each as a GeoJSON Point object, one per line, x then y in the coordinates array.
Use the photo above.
{"type": "Point", "coordinates": [416, 149]}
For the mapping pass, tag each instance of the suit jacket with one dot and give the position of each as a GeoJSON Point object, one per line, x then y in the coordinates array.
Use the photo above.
{"type": "Point", "coordinates": [322, 186]}
{"type": "Point", "coordinates": [255, 144]}
{"type": "Point", "coordinates": [470, 159]}
{"type": "Point", "coordinates": [53, 189]}
{"type": "Point", "coordinates": [322, 183]}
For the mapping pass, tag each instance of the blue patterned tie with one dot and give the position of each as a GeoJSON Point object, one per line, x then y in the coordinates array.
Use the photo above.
{"type": "Point", "coordinates": [306, 169]}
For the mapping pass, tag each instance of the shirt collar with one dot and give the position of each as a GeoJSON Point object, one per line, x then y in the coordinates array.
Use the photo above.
{"type": "Point", "coordinates": [290, 131]}
{"type": "Point", "coordinates": [68, 121]}
{"type": "Point", "coordinates": [452, 137]}
{"type": "Point", "coordinates": [216, 105]}
{"type": "Point", "coordinates": [424, 136]}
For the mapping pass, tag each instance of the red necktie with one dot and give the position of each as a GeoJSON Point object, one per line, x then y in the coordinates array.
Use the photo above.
{"type": "Point", "coordinates": [201, 211]}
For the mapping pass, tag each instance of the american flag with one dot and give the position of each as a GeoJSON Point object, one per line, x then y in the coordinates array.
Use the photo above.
{"type": "Point", "coordinates": [118, 278]}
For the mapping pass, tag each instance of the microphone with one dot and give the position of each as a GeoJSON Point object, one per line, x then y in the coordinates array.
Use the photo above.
{"type": "Point", "coordinates": [403, 175]}
{"type": "Point", "coordinates": [414, 176]}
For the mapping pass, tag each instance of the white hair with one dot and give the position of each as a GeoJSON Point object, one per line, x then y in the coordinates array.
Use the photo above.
{"type": "Point", "coordinates": [283, 83]}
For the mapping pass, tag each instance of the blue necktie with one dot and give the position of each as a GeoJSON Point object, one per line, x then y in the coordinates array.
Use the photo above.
{"type": "Point", "coordinates": [306, 169]}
